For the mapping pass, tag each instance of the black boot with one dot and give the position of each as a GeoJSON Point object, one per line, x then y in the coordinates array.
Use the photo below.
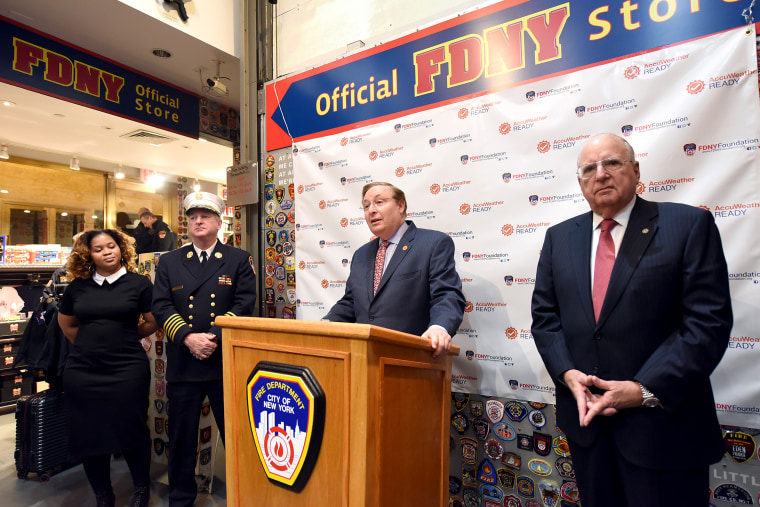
{"type": "Point", "coordinates": [105, 499]}
{"type": "Point", "coordinates": [141, 497]}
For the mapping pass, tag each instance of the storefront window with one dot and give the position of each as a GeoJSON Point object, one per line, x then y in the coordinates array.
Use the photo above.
{"type": "Point", "coordinates": [29, 225]}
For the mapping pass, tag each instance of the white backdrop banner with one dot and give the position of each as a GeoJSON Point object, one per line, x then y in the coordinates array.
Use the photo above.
{"type": "Point", "coordinates": [494, 171]}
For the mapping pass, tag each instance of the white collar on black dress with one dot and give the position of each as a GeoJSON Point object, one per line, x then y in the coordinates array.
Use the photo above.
{"type": "Point", "coordinates": [98, 278]}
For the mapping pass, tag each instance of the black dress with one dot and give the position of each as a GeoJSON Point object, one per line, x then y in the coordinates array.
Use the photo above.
{"type": "Point", "coordinates": [106, 379]}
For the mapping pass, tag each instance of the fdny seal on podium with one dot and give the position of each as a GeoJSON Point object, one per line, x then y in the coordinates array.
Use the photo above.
{"type": "Point", "coordinates": [286, 410]}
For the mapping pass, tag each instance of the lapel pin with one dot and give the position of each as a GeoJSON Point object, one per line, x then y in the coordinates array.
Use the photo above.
{"type": "Point", "coordinates": [189, 255]}
{"type": "Point", "coordinates": [645, 230]}
{"type": "Point", "coordinates": [404, 248]}
{"type": "Point", "coordinates": [218, 255]}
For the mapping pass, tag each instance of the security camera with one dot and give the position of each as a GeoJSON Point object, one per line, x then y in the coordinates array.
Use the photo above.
{"type": "Point", "coordinates": [217, 86]}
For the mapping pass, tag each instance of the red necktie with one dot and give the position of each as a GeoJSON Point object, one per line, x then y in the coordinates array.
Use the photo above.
{"type": "Point", "coordinates": [605, 259]}
{"type": "Point", "coordinates": [380, 263]}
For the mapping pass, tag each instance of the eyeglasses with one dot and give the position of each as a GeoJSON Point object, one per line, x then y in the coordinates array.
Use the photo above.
{"type": "Point", "coordinates": [611, 165]}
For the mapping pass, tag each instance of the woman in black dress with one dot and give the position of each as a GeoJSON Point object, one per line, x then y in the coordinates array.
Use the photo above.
{"type": "Point", "coordinates": [106, 380]}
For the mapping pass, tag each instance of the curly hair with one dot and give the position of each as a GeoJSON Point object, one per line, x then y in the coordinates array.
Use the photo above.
{"type": "Point", "coordinates": [79, 264]}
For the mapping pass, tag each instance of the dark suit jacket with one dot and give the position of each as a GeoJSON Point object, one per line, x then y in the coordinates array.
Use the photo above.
{"type": "Point", "coordinates": [420, 287]}
{"type": "Point", "coordinates": [187, 297]}
{"type": "Point", "coordinates": [665, 323]}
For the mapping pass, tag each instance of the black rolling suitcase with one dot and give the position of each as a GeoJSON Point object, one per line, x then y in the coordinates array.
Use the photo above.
{"type": "Point", "coordinates": [42, 438]}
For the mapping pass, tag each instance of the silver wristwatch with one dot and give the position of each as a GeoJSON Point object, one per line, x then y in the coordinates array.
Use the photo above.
{"type": "Point", "coordinates": [650, 400]}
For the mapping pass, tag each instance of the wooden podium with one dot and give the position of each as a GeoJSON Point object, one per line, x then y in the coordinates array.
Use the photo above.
{"type": "Point", "coordinates": [386, 432]}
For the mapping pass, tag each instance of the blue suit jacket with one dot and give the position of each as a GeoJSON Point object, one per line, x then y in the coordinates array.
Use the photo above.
{"type": "Point", "coordinates": [665, 322]}
{"type": "Point", "coordinates": [420, 287]}
{"type": "Point", "coordinates": [187, 297]}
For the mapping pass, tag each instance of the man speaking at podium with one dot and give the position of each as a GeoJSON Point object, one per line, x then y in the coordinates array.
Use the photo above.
{"type": "Point", "coordinates": [405, 279]}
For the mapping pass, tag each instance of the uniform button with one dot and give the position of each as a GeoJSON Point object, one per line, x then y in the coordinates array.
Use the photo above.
{"type": "Point", "coordinates": [213, 304]}
{"type": "Point", "coordinates": [213, 296]}
{"type": "Point", "coordinates": [190, 305]}
{"type": "Point", "coordinates": [190, 317]}
{"type": "Point", "coordinates": [190, 325]}
{"type": "Point", "coordinates": [213, 315]}
{"type": "Point", "coordinates": [192, 297]}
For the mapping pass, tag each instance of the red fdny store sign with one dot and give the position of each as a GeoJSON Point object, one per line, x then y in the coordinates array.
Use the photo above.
{"type": "Point", "coordinates": [34, 61]}
{"type": "Point", "coordinates": [511, 43]}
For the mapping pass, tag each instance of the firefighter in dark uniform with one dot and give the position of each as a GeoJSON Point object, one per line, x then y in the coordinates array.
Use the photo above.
{"type": "Point", "coordinates": [155, 235]}
{"type": "Point", "coordinates": [194, 284]}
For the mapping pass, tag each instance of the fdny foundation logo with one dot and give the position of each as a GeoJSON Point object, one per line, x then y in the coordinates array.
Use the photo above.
{"type": "Point", "coordinates": [286, 410]}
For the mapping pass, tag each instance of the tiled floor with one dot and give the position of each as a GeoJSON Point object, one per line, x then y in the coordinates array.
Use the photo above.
{"type": "Point", "coordinates": [70, 487]}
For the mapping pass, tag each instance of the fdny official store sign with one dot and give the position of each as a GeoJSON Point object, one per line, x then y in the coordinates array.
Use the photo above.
{"type": "Point", "coordinates": [35, 61]}
{"type": "Point", "coordinates": [286, 409]}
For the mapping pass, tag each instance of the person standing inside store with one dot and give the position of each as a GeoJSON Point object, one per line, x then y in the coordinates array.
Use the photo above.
{"type": "Point", "coordinates": [195, 284]}
{"type": "Point", "coordinates": [405, 279]}
{"type": "Point", "coordinates": [631, 314]}
{"type": "Point", "coordinates": [106, 380]}
{"type": "Point", "coordinates": [154, 235]}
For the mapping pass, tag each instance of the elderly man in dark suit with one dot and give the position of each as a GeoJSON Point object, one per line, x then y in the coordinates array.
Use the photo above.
{"type": "Point", "coordinates": [631, 314]}
{"type": "Point", "coordinates": [195, 284]}
{"type": "Point", "coordinates": [404, 279]}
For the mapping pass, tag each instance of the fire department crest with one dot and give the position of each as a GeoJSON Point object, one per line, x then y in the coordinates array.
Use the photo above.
{"type": "Point", "coordinates": [286, 410]}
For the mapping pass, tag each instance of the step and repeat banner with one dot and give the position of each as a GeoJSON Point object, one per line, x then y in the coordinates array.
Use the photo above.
{"type": "Point", "coordinates": [480, 121]}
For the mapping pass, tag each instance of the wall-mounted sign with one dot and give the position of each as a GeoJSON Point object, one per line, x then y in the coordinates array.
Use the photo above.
{"type": "Point", "coordinates": [32, 60]}
{"type": "Point", "coordinates": [286, 410]}
{"type": "Point", "coordinates": [243, 184]}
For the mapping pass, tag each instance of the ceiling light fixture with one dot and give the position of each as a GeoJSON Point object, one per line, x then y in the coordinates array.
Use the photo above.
{"type": "Point", "coordinates": [161, 53]}
{"type": "Point", "coordinates": [4, 152]}
{"type": "Point", "coordinates": [155, 180]}
{"type": "Point", "coordinates": [74, 164]}
{"type": "Point", "coordinates": [3, 191]}
{"type": "Point", "coordinates": [64, 214]}
{"type": "Point", "coordinates": [119, 174]}
{"type": "Point", "coordinates": [196, 186]}
{"type": "Point", "coordinates": [7, 103]}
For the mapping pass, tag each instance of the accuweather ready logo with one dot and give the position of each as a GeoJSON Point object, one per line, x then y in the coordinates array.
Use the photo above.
{"type": "Point", "coordinates": [734, 210]}
{"type": "Point", "coordinates": [743, 342]}
{"type": "Point", "coordinates": [412, 169]}
{"type": "Point", "coordinates": [464, 112]}
{"type": "Point", "coordinates": [346, 222]}
{"type": "Point", "coordinates": [518, 125]}
{"type": "Point", "coordinates": [387, 153]}
{"type": "Point", "coordinates": [634, 71]}
{"type": "Point", "coordinates": [345, 141]}
{"type": "Point", "coordinates": [332, 284]}
{"type": "Point", "coordinates": [453, 186]}
{"type": "Point", "coordinates": [333, 203]}
{"type": "Point", "coordinates": [697, 86]}
{"type": "Point", "coordinates": [529, 228]}
{"type": "Point", "coordinates": [479, 207]}
{"type": "Point", "coordinates": [667, 185]}
{"type": "Point", "coordinates": [308, 188]}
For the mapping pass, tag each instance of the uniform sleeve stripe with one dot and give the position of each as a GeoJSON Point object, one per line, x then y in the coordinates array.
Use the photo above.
{"type": "Point", "coordinates": [230, 314]}
{"type": "Point", "coordinates": [172, 325]}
